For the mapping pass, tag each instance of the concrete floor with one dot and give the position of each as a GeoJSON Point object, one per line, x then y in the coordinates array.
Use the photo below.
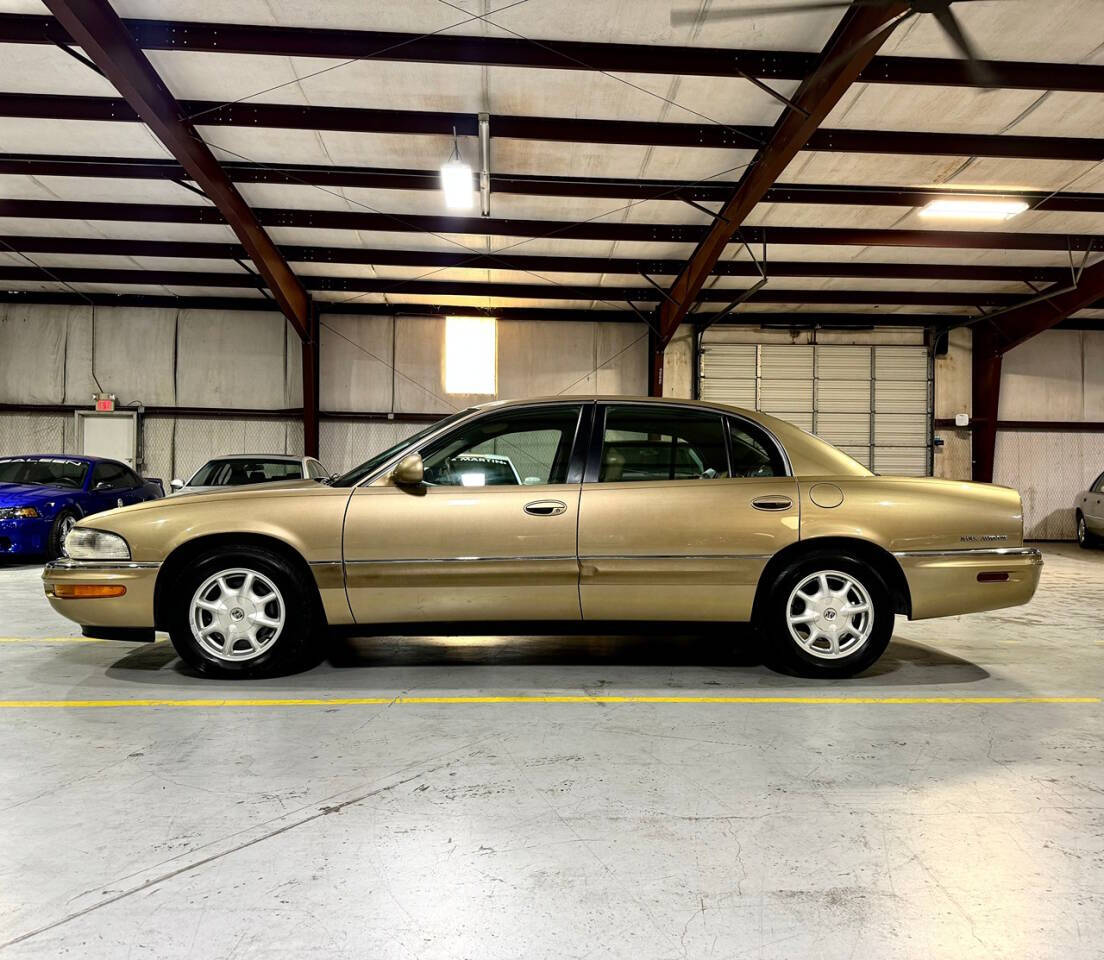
{"type": "Point", "coordinates": [505, 830]}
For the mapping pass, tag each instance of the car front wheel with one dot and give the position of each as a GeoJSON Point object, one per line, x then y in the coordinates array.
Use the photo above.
{"type": "Point", "coordinates": [246, 612]}
{"type": "Point", "coordinates": [63, 523]}
{"type": "Point", "coordinates": [827, 616]}
{"type": "Point", "coordinates": [1085, 539]}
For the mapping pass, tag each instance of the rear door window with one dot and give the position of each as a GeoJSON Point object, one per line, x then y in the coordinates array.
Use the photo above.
{"type": "Point", "coordinates": [653, 442]}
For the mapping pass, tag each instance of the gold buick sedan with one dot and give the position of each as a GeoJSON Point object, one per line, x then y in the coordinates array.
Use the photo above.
{"type": "Point", "coordinates": [580, 509]}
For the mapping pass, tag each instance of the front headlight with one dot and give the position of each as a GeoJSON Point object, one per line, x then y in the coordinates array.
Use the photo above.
{"type": "Point", "coordinates": [20, 513]}
{"type": "Point", "coordinates": [84, 543]}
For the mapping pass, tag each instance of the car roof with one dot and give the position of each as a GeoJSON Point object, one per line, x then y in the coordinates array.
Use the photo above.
{"type": "Point", "coordinates": [78, 457]}
{"type": "Point", "coordinates": [288, 457]}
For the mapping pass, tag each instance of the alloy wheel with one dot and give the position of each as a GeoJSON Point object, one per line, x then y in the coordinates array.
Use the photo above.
{"type": "Point", "coordinates": [237, 614]}
{"type": "Point", "coordinates": [830, 615]}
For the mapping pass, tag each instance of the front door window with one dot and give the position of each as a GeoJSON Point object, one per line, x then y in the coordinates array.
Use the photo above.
{"type": "Point", "coordinates": [519, 448]}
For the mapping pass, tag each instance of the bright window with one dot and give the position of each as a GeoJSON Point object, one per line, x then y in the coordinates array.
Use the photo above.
{"type": "Point", "coordinates": [470, 355]}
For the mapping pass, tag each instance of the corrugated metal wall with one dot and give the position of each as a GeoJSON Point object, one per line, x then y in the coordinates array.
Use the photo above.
{"type": "Point", "coordinates": [251, 361]}
{"type": "Point", "coordinates": [1058, 375]}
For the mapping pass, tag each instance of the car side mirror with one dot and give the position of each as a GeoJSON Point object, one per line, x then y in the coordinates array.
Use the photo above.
{"type": "Point", "coordinates": [409, 472]}
{"type": "Point", "coordinates": [177, 484]}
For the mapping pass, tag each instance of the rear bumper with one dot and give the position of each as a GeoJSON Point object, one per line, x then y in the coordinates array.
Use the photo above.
{"type": "Point", "coordinates": [134, 609]}
{"type": "Point", "coordinates": [945, 583]}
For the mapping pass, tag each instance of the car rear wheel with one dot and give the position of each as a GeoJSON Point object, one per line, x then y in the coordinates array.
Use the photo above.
{"type": "Point", "coordinates": [246, 612]}
{"type": "Point", "coordinates": [827, 616]}
{"type": "Point", "coordinates": [63, 523]}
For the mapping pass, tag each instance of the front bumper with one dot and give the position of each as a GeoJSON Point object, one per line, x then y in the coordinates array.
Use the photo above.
{"type": "Point", "coordinates": [945, 583]}
{"type": "Point", "coordinates": [24, 536]}
{"type": "Point", "coordinates": [134, 609]}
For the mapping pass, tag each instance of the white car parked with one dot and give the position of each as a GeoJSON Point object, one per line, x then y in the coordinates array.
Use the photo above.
{"type": "Point", "coordinates": [1089, 514]}
{"type": "Point", "coordinates": [241, 469]}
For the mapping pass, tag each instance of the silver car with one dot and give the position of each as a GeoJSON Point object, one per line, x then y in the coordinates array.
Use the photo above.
{"type": "Point", "coordinates": [1089, 513]}
{"type": "Point", "coordinates": [241, 469]}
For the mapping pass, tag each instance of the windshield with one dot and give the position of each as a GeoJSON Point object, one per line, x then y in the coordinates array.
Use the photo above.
{"type": "Point", "coordinates": [56, 472]}
{"type": "Point", "coordinates": [366, 469]}
{"type": "Point", "coordinates": [238, 471]}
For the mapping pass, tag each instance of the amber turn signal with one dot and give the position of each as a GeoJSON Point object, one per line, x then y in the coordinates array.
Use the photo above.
{"type": "Point", "coordinates": [87, 591]}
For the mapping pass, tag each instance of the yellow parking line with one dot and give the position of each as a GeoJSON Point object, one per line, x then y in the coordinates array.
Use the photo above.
{"type": "Point", "coordinates": [413, 701]}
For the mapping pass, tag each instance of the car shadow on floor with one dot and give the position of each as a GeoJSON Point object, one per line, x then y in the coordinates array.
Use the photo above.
{"type": "Point", "coordinates": [702, 659]}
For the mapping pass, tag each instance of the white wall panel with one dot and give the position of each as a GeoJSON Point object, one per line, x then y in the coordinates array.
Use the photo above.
{"type": "Point", "coordinates": [622, 359]}
{"type": "Point", "coordinates": [32, 353]}
{"type": "Point", "coordinates": [135, 355]}
{"type": "Point", "coordinates": [1043, 378]}
{"type": "Point", "coordinates": [538, 359]}
{"type": "Point", "coordinates": [356, 363]}
{"type": "Point", "coordinates": [236, 359]}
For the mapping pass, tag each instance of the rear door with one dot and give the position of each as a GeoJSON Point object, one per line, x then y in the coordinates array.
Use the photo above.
{"type": "Point", "coordinates": [681, 508]}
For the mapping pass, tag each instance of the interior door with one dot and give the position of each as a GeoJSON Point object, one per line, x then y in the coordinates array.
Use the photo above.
{"type": "Point", "coordinates": [489, 535]}
{"type": "Point", "coordinates": [681, 510]}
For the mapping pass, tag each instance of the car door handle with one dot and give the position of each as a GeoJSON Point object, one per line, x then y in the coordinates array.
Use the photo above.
{"type": "Point", "coordinates": [545, 508]}
{"type": "Point", "coordinates": [772, 502]}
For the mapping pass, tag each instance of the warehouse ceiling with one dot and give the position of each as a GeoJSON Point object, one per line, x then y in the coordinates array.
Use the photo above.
{"type": "Point", "coordinates": [602, 180]}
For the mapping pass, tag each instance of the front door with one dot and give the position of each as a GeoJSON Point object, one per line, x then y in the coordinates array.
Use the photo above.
{"type": "Point", "coordinates": [680, 512]}
{"type": "Point", "coordinates": [489, 535]}
{"type": "Point", "coordinates": [113, 485]}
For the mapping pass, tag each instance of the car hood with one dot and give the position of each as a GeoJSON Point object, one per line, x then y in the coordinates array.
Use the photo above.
{"type": "Point", "coordinates": [28, 494]}
{"type": "Point", "coordinates": [252, 491]}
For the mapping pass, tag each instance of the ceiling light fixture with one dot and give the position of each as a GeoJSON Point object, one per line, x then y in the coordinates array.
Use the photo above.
{"type": "Point", "coordinates": [974, 208]}
{"type": "Point", "coordinates": [456, 179]}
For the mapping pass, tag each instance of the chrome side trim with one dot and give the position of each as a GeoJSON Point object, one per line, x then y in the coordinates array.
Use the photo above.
{"type": "Point", "coordinates": [566, 556]}
{"type": "Point", "coordinates": [99, 565]}
{"type": "Point", "coordinates": [325, 563]}
{"type": "Point", "coordinates": [974, 552]}
{"type": "Point", "coordinates": [677, 556]}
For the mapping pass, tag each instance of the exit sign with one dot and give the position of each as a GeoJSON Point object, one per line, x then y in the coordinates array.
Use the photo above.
{"type": "Point", "coordinates": [105, 403]}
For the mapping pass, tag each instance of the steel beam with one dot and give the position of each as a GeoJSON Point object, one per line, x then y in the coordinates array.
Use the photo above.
{"type": "Point", "coordinates": [102, 35]}
{"type": "Point", "coordinates": [550, 229]}
{"type": "Point", "coordinates": [329, 43]}
{"type": "Point", "coordinates": [857, 37]}
{"type": "Point", "coordinates": [517, 290]}
{"type": "Point", "coordinates": [377, 178]}
{"type": "Point", "coordinates": [171, 249]}
{"type": "Point", "coordinates": [283, 116]}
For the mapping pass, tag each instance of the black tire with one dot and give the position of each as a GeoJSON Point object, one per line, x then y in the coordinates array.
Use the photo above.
{"type": "Point", "coordinates": [1085, 539]}
{"type": "Point", "coordinates": [63, 523]}
{"type": "Point", "coordinates": [300, 643]}
{"type": "Point", "coordinates": [785, 653]}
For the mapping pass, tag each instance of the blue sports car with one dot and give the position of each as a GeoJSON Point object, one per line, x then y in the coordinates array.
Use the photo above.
{"type": "Point", "coordinates": [41, 497]}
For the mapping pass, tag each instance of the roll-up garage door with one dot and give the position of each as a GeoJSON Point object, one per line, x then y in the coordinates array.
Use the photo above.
{"type": "Point", "coordinates": [873, 401]}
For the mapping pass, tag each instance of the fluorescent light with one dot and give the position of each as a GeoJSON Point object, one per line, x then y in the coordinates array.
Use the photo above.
{"type": "Point", "coordinates": [456, 181]}
{"type": "Point", "coordinates": [470, 355]}
{"type": "Point", "coordinates": [974, 208]}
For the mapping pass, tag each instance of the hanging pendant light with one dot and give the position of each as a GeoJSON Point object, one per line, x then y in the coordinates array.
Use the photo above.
{"type": "Point", "coordinates": [456, 179]}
